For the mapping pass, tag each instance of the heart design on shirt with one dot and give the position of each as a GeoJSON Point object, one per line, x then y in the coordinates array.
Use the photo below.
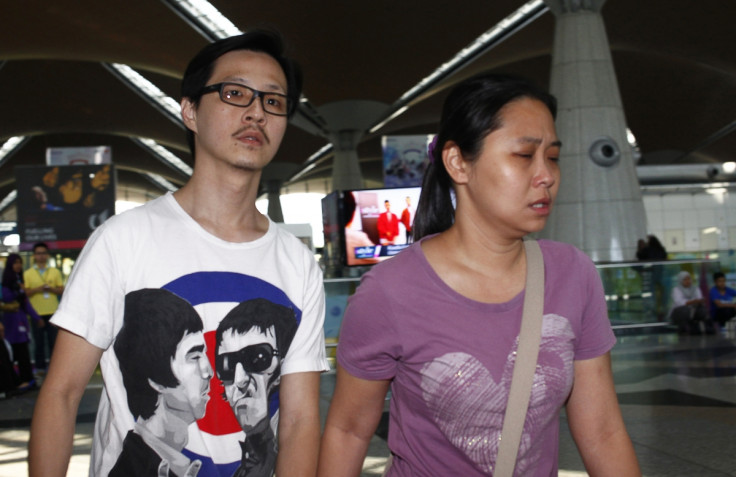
{"type": "Point", "coordinates": [468, 405]}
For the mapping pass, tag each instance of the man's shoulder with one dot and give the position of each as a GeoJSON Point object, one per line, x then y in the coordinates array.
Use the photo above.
{"type": "Point", "coordinates": [152, 212]}
{"type": "Point", "coordinates": [290, 245]}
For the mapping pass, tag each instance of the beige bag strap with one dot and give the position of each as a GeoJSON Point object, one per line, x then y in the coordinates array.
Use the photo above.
{"type": "Point", "coordinates": [530, 337]}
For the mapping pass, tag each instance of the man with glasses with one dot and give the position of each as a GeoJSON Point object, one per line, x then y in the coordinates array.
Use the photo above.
{"type": "Point", "coordinates": [249, 343]}
{"type": "Point", "coordinates": [208, 244]}
{"type": "Point", "coordinates": [43, 285]}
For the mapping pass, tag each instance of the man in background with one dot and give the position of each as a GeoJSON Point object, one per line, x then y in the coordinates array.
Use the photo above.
{"type": "Point", "coordinates": [44, 285]}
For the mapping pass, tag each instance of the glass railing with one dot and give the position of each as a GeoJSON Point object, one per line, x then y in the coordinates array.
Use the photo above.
{"type": "Point", "coordinates": [637, 293]}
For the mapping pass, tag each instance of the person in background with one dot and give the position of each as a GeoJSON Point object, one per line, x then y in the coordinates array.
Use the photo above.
{"type": "Point", "coordinates": [439, 322]}
{"type": "Point", "coordinates": [641, 249]}
{"type": "Point", "coordinates": [44, 286]}
{"type": "Point", "coordinates": [9, 380]}
{"type": "Point", "coordinates": [654, 250]}
{"type": "Point", "coordinates": [722, 300]}
{"type": "Point", "coordinates": [688, 307]}
{"type": "Point", "coordinates": [16, 322]}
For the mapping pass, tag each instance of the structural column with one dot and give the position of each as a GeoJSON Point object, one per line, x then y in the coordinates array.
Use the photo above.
{"type": "Point", "coordinates": [347, 122]}
{"type": "Point", "coordinates": [345, 166]}
{"type": "Point", "coordinates": [273, 190]}
{"type": "Point", "coordinates": [599, 206]}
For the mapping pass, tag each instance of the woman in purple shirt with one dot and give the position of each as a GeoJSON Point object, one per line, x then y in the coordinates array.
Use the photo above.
{"type": "Point", "coordinates": [439, 323]}
{"type": "Point", "coordinates": [16, 322]}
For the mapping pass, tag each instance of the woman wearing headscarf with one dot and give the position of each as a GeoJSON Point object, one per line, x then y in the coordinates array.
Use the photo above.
{"type": "Point", "coordinates": [688, 308]}
{"type": "Point", "coordinates": [16, 322]}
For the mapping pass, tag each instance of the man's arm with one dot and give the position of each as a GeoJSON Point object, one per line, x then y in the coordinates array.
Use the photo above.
{"type": "Point", "coordinates": [54, 417]}
{"type": "Point", "coordinates": [298, 425]}
{"type": "Point", "coordinates": [596, 423]}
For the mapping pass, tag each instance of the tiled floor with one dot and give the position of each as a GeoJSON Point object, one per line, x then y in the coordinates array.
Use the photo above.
{"type": "Point", "coordinates": [677, 394]}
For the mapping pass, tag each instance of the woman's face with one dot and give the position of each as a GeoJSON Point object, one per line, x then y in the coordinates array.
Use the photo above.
{"type": "Point", "coordinates": [18, 266]}
{"type": "Point", "coordinates": [515, 179]}
{"type": "Point", "coordinates": [687, 281]}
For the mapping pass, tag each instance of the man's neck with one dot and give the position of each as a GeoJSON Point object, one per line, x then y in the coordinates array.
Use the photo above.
{"type": "Point", "coordinates": [224, 206]}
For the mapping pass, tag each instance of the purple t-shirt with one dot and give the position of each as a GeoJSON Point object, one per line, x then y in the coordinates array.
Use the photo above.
{"type": "Point", "coordinates": [451, 360]}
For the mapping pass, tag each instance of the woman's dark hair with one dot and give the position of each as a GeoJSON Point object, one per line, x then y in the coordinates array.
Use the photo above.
{"type": "Point", "coordinates": [471, 111]}
{"type": "Point", "coordinates": [10, 278]}
{"type": "Point", "coordinates": [199, 70]}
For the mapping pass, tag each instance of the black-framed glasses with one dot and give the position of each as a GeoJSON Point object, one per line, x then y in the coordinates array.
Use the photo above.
{"type": "Point", "coordinates": [242, 96]}
{"type": "Point", "coordinates": [254, 359]}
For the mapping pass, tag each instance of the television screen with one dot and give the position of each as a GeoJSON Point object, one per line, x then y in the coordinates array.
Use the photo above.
{"type": "Point", "coordinates": [377, 223]}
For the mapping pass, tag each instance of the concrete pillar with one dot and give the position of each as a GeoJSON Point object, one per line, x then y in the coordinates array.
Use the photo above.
{"type": "Point", "coordinates": [345, 166]}
{"type": "Point", "coordinates": [599, 206]}
{"type": "Point", "coordinates": [347, 121]}
{"type": "Point", "coordinates": [273, 191]}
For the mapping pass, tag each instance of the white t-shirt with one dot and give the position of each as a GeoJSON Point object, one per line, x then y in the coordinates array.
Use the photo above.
{"type": "Point", "coordinates": [158, 245]}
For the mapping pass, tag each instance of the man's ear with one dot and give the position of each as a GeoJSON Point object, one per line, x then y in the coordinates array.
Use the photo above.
{"type": "Point", "coordinates": [457, 167]}
{"type": "Point", "coordinates": [189, 114]}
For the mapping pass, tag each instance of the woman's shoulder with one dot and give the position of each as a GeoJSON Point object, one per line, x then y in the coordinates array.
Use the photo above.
{"type": "Point", "coordinates": [405, 262]}
{"type": "Point", "coordinates": [562, 252]}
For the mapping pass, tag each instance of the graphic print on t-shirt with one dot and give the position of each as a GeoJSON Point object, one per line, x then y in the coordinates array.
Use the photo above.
{"type": "Point", "coordinates": [201, 359]}
{"type": "Point", "coordinates": [468, 405]}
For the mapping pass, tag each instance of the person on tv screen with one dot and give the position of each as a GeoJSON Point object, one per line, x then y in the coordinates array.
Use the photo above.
{"type": "Point", "coordinates": [355, 239]}
{"type": "Point", "coordinates": [439, 323]}
{"type": "Point", "coordinates": [388, 225]}
{"type": "Point", "coordinates": [407, 218]}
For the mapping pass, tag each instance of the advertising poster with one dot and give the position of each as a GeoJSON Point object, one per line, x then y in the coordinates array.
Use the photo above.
{"type": "Point", "coordinates": [404, 160]}
{"type": "Point", "coordinates": [62, 205]}
{"type": "Point", "coordinates": [73, 156]}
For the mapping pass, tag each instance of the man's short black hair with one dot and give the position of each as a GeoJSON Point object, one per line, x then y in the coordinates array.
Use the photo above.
{"type": "Point", "coordinates": [718, 275]}
{"type": "Point", "coordinates": [155, 321]}
{"type": "Point", "coordinates": [39, 244]}
{"type": "Point", "coordinates": [199, 71]}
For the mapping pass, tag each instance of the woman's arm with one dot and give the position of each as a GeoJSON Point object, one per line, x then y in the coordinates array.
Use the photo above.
{"type": "Point", "coordinates": [32, 311]}
{"type": "Point", "coordinates": [596, 423]}
{"type": "Point", "coordinates": [356, 408]}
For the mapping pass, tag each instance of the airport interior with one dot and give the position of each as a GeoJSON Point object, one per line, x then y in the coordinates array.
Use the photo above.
{"type": "Point", "coordinates": [646, 114]}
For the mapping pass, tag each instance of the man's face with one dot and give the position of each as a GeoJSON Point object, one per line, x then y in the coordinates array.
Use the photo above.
{"type": "Point", "coordinates": [245, 138]}
{"type": "Point", "coordinates": [721, 282]}
{"type": "Point", "coordinates": [193, 371]}
{"type": "Point", "coordinates": [246, 363]}
{"type": "Point", "coordinates": [387, 205]}
{"type": "Point", "coordinates": [41, 255]}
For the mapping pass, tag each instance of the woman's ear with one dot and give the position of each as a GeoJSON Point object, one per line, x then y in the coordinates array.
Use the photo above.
{"type": "Point", "coordinates": [456, 166]}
